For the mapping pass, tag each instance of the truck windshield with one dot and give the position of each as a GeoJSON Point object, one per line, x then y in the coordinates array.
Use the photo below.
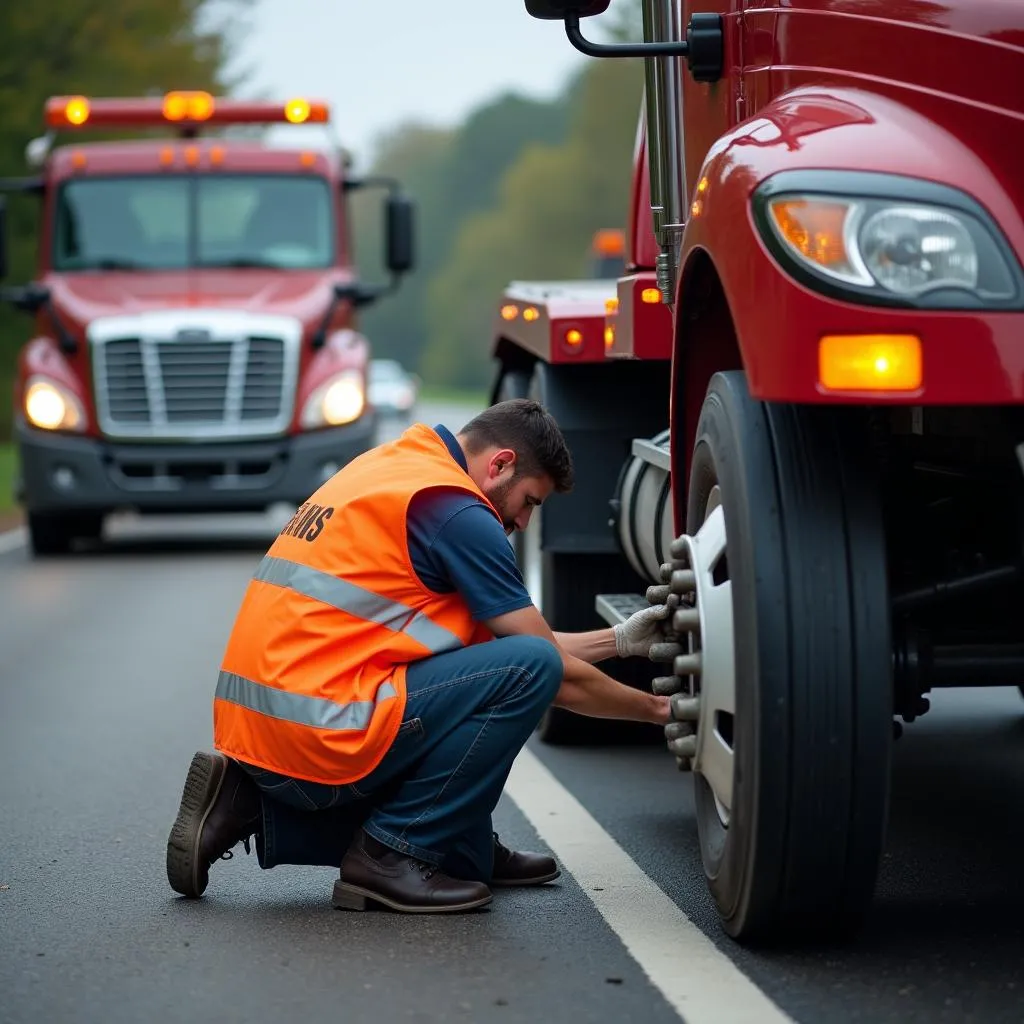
{"type": "Point", "coordinates": [173, 222]}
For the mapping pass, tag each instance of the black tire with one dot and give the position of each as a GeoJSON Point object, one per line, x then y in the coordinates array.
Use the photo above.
{"type": "Point", "coordinates": [55, 534]}
{"type": "Point", "coordinates": [812, 732]}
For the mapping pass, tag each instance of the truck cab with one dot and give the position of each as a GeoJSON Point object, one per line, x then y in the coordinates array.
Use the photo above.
{"type": "Point", "coordinates": [814, 454]}
{"type": "Point", "coordinates": [196, 345]}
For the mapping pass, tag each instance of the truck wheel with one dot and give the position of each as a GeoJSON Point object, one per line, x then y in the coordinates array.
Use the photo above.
{"type": "Point", "coordinates": [54, 534]}
{"type": "Point", "coordinates": [794, 692]}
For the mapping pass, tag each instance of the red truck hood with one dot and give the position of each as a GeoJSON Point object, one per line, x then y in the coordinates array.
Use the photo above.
{"type": "Point", "coordinates": [84, 297]}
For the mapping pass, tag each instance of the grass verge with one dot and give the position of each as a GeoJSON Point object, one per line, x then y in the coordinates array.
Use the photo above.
{"type": "Point", "coordinates": [7, 465]}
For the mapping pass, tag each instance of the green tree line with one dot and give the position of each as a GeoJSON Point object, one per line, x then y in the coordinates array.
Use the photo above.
{"type": "Point", "coordinates": [515, 191]}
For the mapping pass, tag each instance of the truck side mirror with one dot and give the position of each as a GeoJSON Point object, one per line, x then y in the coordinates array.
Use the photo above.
{"type": "Point", "coordinates": [3, 238]}
{"type": "Point", "coordinates": [400, 217]}
{"type": "Point", "coordinates": [559, 10]}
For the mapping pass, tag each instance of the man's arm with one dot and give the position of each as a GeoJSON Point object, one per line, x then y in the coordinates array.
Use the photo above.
{"type": "Point", "coordinates": [596, 645]}
{"type": "Point", "coordinates": [585, 689]}
{"type": "Point", "coordinates": [630, 638]}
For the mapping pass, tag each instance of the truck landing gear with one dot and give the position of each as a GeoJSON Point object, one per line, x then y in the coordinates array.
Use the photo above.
{"type": "Point", "coordinates": [783, 693]}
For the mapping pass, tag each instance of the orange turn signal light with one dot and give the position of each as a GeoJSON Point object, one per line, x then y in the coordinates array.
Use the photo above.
{"type": "Point", "coordinates": [573, 337]}
{"type": "Point", "coordinates": [509, 311]}
{"type": "Point", "coordinates": [531, 313]}
{"type": "Point", "coordinates": [870, 362]}
{"type": "Point", "coordinates": [815, 229]}
{"type": "Point", "coordinates": [650, 296]}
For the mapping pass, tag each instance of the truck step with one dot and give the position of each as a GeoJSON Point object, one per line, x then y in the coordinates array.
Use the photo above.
{"type": "Point", "coordinates": [616, 608]}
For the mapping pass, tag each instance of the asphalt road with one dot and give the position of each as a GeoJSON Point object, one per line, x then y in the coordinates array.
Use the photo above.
{"type": "Point", "coordinates": [107, 662]}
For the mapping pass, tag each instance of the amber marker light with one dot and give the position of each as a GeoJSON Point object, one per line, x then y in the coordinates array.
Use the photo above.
{"type": "Point", "coordinates": [76, 110]}
{"type": "Point", "coordinates": [188, 106]}
{"type": "Point", "coordinates": [509, 311]}
{"type": "Point", "coordinates": [870, 362]}
{"type": "Point", "coordinates": [296, 111]}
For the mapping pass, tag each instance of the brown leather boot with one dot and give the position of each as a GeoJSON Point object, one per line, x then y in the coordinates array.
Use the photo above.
{"type": "Point", "coordinates": [515, 868]}
{"type": "Point", "coordinates": [220, 807]}
{"type": "Point", "coordinates": [372, 872]}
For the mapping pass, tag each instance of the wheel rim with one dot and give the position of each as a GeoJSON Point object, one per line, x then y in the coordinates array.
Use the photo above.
{"type": "Point", "coordinates": [714, 759]}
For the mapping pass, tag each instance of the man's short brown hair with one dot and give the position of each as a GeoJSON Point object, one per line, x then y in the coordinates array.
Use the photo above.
{"type": "Point", "coordinates": [531, 432]}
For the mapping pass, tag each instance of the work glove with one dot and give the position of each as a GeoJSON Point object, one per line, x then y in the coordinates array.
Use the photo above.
{"type": "Point", "coordinates": [633, 638]}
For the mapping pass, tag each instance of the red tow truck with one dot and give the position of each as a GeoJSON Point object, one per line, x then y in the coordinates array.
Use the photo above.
{"type": "Point", "coordinates": [196, 346]}
{"type": "Point", "coordinates": [805, 429]}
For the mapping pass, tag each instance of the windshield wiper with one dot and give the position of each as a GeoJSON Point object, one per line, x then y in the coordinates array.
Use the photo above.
{"type": "Point", "coordinates": [111, 263]}
{"type": "Point", "coordinates": [240, 263]}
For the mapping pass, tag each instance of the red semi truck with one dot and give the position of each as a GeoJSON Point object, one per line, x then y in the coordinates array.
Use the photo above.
{"type": "Point", "coordinates": [805, 429]}
{"type": "Point", "coordinates": [196, 345]}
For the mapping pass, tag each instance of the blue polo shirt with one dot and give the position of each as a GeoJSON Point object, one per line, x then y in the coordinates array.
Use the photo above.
{"type": "Point", "coordinates": [456, 544]}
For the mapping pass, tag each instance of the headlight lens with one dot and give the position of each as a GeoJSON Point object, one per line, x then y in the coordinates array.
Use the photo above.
{"type": "Point", "coordinates": [336, 402]}
{"type": "Point", "coordinates": [910, 251]}
{"type": "Point", "coordinates": [50, 406]}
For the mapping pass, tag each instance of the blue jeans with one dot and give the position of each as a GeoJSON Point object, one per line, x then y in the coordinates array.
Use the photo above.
{"type": "Point", "coordinates": [467, 716]}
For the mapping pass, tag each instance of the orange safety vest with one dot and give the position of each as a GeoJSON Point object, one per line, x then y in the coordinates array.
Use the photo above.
{"type": "Point", "coordinates": [312, 684]}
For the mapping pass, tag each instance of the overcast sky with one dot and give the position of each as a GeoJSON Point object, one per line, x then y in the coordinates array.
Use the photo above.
{"type": "Point", "coordinates": [380, 62]}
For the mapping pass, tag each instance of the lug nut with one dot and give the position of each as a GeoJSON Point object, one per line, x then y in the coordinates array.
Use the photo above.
{"type": "Point", "coordinates": [665, 572]}
{"type": "Point", "coordinates": [680, 550]}
{"type": "Point", "coordinates": [665, 686]}
{"type": "Point", "coordinates": [677, 730]}
{"type": "Point", "coordinates": [685, 746]}
{"type": "Point", "coordinates": [658, 595]}
{"type": "Point", "coordinates": [685, 709]}
{"type": "Point", "coordinates": [688, 664]}
{"type": "Point", "coordinates": [684, 764]}
{"type": "Point", "coordinates": [686, 620]}
{"type": "Point", "coordinates": [665, 652]}
{"type": "Point", "coordinates": [684, 581]}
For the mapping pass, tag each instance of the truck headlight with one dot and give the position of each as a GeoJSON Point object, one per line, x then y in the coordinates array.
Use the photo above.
{"type": "Point", "coordinates": [337, 401]}
{"type": "Point", "coordinates": [50, 406]}
{"type": "Point", "coordinates": [887, 249]}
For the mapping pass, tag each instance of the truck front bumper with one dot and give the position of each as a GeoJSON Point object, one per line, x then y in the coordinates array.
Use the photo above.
{"type": "Point", "coordinates": [61, 473]}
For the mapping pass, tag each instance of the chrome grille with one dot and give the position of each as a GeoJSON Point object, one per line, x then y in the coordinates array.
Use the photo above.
{"type": "Point", "coordinates": [194, 384]}
{"type": "Point", "coordinates": [264, 369]}
{"type": "Point", "coordinates": [127, 397]}
{"type": "Point", "coordinates": [194, 380]}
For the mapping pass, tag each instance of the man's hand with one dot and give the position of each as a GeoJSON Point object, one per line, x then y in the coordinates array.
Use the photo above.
{"type": "Point", "coordinates": [635, 636]}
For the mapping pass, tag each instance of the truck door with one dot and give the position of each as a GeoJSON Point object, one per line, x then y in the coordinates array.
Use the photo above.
{"type": "Point", "coordinates": [710, 109]}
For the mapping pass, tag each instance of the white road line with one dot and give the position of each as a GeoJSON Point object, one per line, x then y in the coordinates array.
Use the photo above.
{"type": "Point", "coordinates": [13, 539]}
{"type": "Point", "coordinates": [699, 981]}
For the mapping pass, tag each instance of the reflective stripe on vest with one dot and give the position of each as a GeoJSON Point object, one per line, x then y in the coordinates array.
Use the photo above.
{"type": "Point", "coordinates": [357, 602]}
{"type": "Point", "coordinates": [317, 712]}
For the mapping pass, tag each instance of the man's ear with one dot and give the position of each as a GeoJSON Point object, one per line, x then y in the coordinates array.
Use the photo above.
{"type": "Point", "coordinates": [501, 460]}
